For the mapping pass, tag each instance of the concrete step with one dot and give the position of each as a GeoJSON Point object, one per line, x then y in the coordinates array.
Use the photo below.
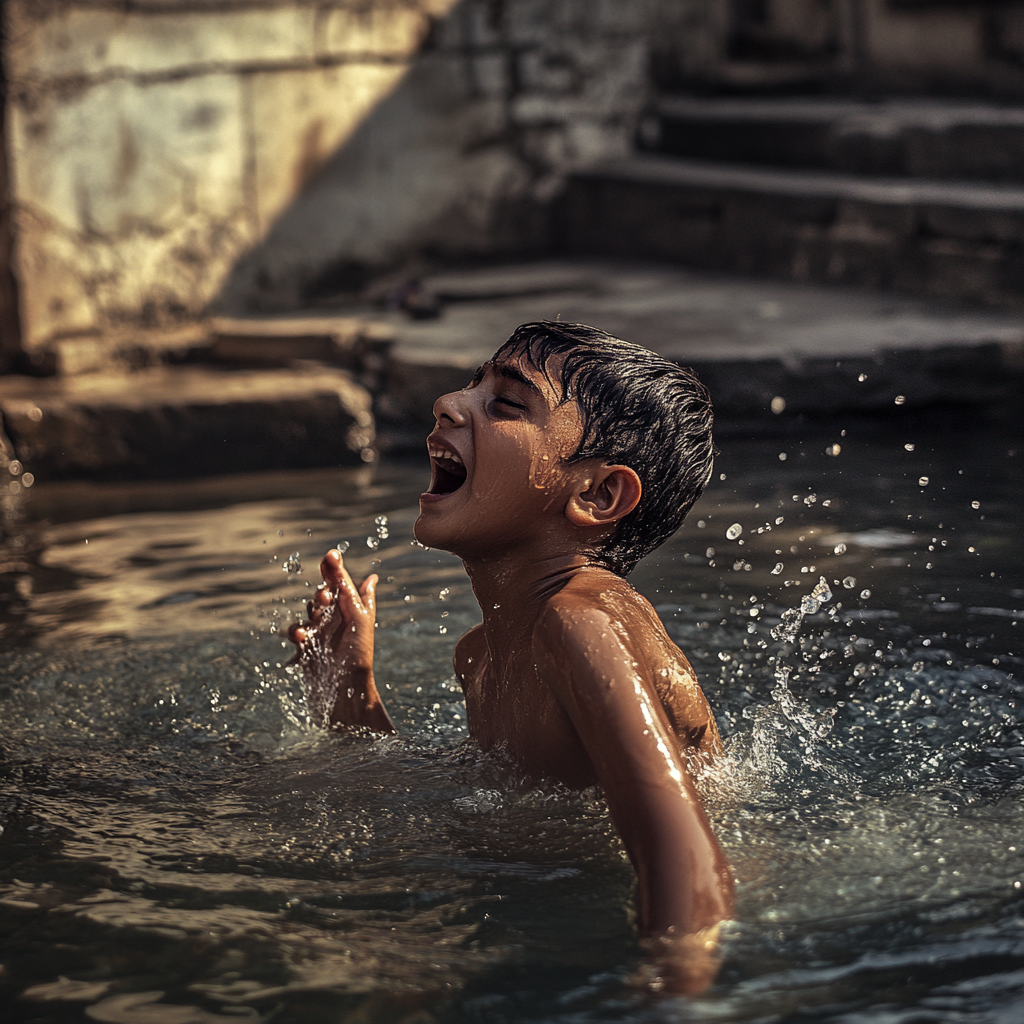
{"type": "Point", "coordinates": [959, 241]}
{"type": "Point", "coordinates": [917, 138]}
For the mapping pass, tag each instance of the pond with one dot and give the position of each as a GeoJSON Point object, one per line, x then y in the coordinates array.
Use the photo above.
{"type": "Point", "coordinates": [180, 845]}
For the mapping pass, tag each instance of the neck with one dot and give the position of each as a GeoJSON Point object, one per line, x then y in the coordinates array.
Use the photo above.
{"type": "Point", "coordinates": [511, 589]}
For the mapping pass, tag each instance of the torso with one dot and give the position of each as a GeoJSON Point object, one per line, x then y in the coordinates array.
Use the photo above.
{"type": "Point", "coordinates": [509, 704]}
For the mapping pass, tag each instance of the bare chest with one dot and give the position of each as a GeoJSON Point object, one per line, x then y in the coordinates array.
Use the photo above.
{"type": "Point", "coordinates": [510, 706]}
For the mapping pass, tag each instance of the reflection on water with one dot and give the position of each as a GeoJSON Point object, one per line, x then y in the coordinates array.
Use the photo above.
{"type": "Point", "coordinates": [180, 845]}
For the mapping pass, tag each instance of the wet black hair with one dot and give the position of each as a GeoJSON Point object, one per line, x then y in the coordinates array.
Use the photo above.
{"type": "Point", "coordinates": [639, 410]}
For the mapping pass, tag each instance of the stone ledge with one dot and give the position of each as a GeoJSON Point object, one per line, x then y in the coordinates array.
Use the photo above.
{"type": "Point", "coordinates": [187, 421]}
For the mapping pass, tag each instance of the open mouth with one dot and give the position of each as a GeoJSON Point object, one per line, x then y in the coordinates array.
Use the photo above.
{"type": "Point", "coordinates": [447, 472]}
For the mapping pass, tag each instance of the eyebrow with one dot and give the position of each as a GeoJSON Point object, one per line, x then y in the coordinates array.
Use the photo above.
{"type": "Point", "coordinates": [509, 372]}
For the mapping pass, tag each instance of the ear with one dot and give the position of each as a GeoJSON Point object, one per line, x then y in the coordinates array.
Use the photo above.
{"type": "Point", "coordinates": [608, 494]}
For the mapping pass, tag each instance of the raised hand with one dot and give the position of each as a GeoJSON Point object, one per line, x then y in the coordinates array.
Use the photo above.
{"type": "Point", "coordinates": [335, 650]}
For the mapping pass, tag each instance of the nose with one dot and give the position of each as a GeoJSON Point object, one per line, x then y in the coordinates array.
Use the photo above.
{"type": "Point", "coordinates": [449, 410]}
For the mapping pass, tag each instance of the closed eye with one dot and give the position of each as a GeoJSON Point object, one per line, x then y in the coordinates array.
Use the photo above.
{"type": "Point", "coordinates": [509, 407]}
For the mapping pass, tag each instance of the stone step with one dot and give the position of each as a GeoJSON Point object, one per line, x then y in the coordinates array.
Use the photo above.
{"type": "Point", "coordinates": [959, 241]}
{"type": "Point", "coordinates": [824, 350]}
{"type": "Point", "coordinates": [258, 342]}
{"type": "Point", "coordinates": [186, 421]}
{"type": "Point", "coordinates": [917, 138]}
{"type": "Point", "coordinates": [772, 352]}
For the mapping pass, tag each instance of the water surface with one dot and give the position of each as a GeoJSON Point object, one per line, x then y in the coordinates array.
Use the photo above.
{"type": "Point", "coordinates": [180, 844]}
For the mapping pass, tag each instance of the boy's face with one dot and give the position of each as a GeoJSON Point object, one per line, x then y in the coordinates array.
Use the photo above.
{"type": "Point", "coordinates": [497, 477]}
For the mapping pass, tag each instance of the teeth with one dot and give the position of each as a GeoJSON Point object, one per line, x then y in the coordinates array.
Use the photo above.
{"type": "Point", "coordinates": [437, 452]}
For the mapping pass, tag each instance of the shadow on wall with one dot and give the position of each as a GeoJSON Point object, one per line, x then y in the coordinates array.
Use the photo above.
{"type": "Point", "coordinates": [434, 167]}
{"type": "Point", "coordinates": [463, 157]}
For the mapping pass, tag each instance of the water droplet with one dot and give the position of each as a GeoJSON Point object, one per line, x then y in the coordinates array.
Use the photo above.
{"type": "Point", "coordinates": [701, 524]}
{"type": "Point", "coordinates": [710, 553]}
{"type": "Point", "coordinates": [809, 605]}
{"type": "Point", "coordinates": [788, 627]}
{"type": "Point", "coordinates": [810, 499]}
{"type": "Point", "coordinates": [840, 548]}
{"type": "Point", "coordinates": [373, 543]}
{"type": "Point", "coordinates": [28, 480]}
{"type": "Point", "coordinates": [734, 531]}
{"type": "Point", "coordinates": [443, 630]}
{"type": "Point", "coordinates": [975, 504]}
{"type": "Point", "coordinates": [35, 414]}
{"type": "Point", "coordinates": [293, 563]}
{"type": "Point", "coordinates": [342, 546]}
{"type": "Point", "coordinates": [833, 449]}
{"type": "Point", "coordinates": [443, 595]}
{"type": "Point", "coordinates": [865, 594]}
{"type": "Point", "coordinates": [849, 582]}
{"type": "Point", "coordinates": [862, 377]}
{"type": "Point", "coordinates": [496, 606]}
{"type": "Point", "coordinates": [821, 592]}
{"type": "Point", "coordinates": [778, 404]}
{"type": "Point", "coordinates": [900, 399]}
{"type": "Point", "coordinates": [280, 533]}
{"type": "Point", "coordinates": [780, 520]}
{"type": "Point", "coordinates": [778, 568]}
{"type": "Point", "coordinates": [922, 481]}
{"type": "Point", "coordinates": [14, 467]}
{"type": "Point", "coordinates": [782, 456]}
{"type": "Point", "coordinates": [721, 476]}
{"type": "Point", "coordinates": [407, 599]}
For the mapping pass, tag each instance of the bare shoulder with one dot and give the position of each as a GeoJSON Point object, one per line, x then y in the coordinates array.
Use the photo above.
{"type": "Point", "coordinates": [607, 604]}
{"type": "Point", "coordinates": [591, 622]}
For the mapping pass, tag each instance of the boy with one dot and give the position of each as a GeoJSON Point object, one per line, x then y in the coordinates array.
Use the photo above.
{"type": "Point", "coordinates": [569, 456]}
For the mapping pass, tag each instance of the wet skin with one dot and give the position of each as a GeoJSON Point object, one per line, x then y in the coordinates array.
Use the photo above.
{"type": "Point", "coordinates": [571, 671]}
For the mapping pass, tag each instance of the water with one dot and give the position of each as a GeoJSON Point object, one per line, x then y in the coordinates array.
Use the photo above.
{"type": "Point", "coordinates": [180, 845]}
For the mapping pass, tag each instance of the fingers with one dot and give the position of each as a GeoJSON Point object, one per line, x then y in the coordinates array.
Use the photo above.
{"type": "Point", "coordinates": [320, 603]}
{"type": "Point", "coordinates": [368, 593]}
{"type": "Point", "coordinates": [335, 575]}
{"type": "Point", "coordinates": [337, 588]}
{"type": "Point", "coordinates": [351, 600]}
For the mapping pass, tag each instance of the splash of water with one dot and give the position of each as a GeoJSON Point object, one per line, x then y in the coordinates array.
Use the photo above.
{"type": "Point", "coordinates": [786, 736]}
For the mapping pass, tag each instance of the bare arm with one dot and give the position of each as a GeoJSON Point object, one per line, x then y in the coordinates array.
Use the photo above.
{"type": "Point", "coordinates": [684, 886]}
{"type": "Point", "coordinates": [336, 650]}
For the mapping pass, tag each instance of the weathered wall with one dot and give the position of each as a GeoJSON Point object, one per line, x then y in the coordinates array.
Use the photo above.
{"type": "Point", "coordinates": [169, 156]}
{"type": "Point", "coordinates": [150, 147]}
{"type": "Point", "coordinates": [466, 152]}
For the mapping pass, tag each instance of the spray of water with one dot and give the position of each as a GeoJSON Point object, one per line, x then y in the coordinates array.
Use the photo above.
{"type": "Point", "coordinates": [786, 736]}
